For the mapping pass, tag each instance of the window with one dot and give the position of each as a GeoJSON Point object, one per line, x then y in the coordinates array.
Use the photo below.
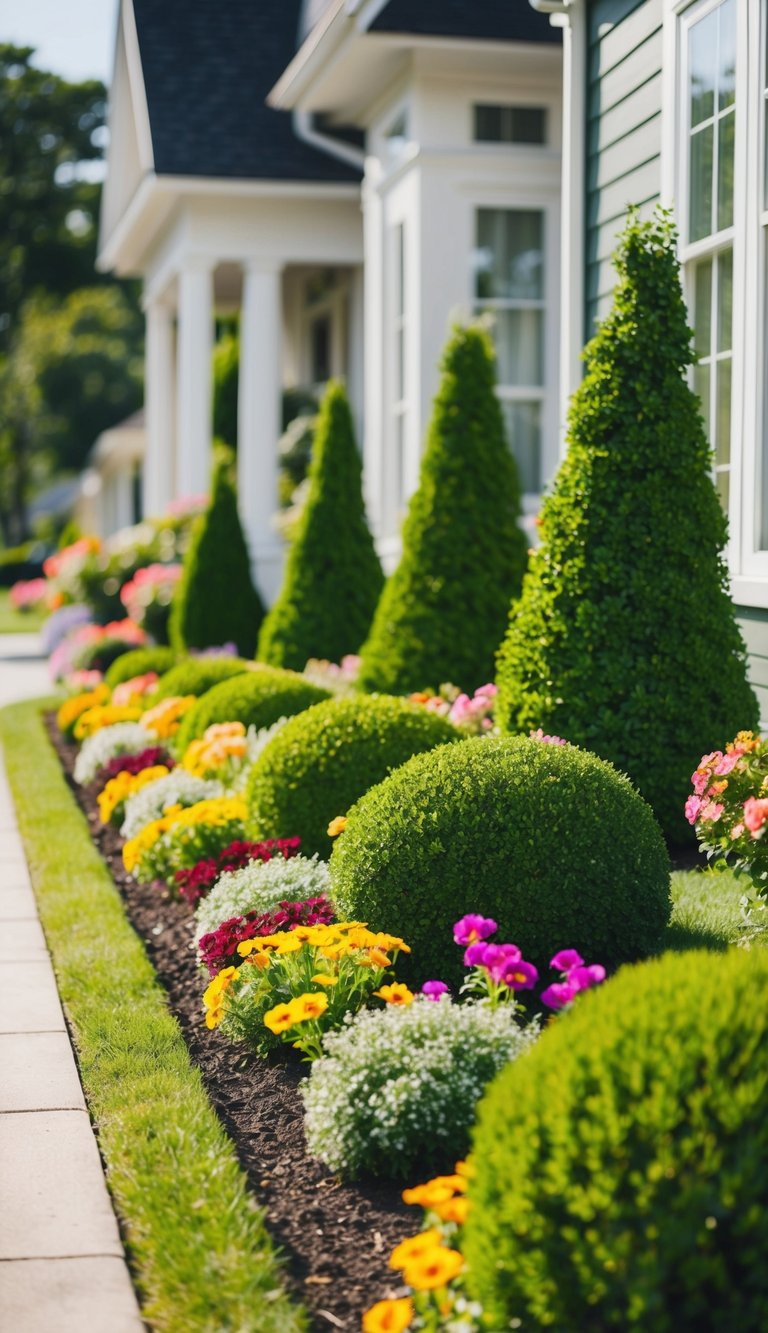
{"type": "Point", "coordinates": [510, 124]}
{"type": "Point", "coordinates": [710, 151]}
{"type": "Point", "coordinates": [509, 283]}
{"type": "Point", "coordinates": [398, 362]}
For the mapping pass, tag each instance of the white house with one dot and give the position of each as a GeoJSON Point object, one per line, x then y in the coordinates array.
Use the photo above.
{"type": "Point", "coordinates": [349, 175]}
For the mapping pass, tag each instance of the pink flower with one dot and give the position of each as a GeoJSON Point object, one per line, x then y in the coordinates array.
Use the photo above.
{"type": "Point", "coordinates": [474, 956]}
{"type": "Point", "coordinates": [566, 959]}
{"type": "Point", "coordinates": [755, 814]}
{"type": "Point", "coordinates": [700, 780]}
{"type": "Point", "coordinates": [472, 928]}
{"type": "Point", "coordinates": [434, 990]}
{"type": "Point", "coordinates": [559, 994]}
{"type": "Point", "coordinates": [726, 764]}
{"type": "Point", "coordinates": [499, 957]}
{"type": "Point", "coordinates": [692, 807]}
{"type": "Point", "coordinates": [737, 830]}
{"type": "Point", "coordinates": [585, 977]}
{"type": "Point", "coordinates": [539, 735]}
{"type": "Point", "coordinates": [486, 691]}
{"type": "Point", "coordinates": [519, 975]}
{"type": "Point", "coordinates": [711, 812]}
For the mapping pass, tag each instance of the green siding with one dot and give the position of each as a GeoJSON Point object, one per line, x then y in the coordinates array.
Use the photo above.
{"type": "Point", "coordinates": [753, 624]}
{"type": "Point", "coordinates": [623, 142]}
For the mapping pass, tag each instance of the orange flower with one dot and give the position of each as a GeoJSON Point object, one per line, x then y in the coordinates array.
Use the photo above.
{"type": "Point", "coordinates": [419, 697]}
{"type": "Point", "coordinates": [415, 1247]}
{"type": "Point", "coordinates": [337, 826]}
{"type": "Point", "coordinates": [434, 1269]}
{"type": "Point", "coordinates": [379, 958]}
{"type": "Point", "coordinates": [453, 1210]}
{"type": "Point", "coordinates": [388, 1316]}
{"type": "Point", "coordinates": [397, 993]}
{"type": "Point", "coordinates": [428, 1196]}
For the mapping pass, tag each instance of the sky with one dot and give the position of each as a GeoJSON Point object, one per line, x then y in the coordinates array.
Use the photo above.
{"type": "Point", "coordinates": [73, 38]}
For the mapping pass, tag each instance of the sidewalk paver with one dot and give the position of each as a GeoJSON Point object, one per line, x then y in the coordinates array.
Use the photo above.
{"type": "Point", "coordinates": [39, 1073]}
{"type": "Point", "coordinates": [67, 1296]}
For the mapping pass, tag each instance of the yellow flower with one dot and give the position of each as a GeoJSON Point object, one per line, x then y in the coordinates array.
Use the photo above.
{"type": "Point", "coordinates": [289, 944]}
{"type": "Point", "coordinates": [323, 979]}
{"type": "Point", "coordinates": [431, 1195]}
{"type": "Point", "coordinates": [337, 826]}
{"type": "Point", "coordinates": [125, 784]}
{"type": "Point", "coordinates": [397, 993]}
{"type": "Point", "coordinates": [213, 998]}
{"type": "Point", "coordinates": [222, 730]}
{"type": "Point", "coordinates": [103, 715]}
{"type": "Point", "coordinates": [389, 1316]}
{"type": "Point", "coordinates": [280, 1018]}
{"type": "Point", "coordinates": [434, 1269]}
{"type": "Point", "coordinates": [73, 708]}
{"type": "Point", "coordinates": [165, 718]}
{"type": "Point", "coordinates": [453, 1210]}
{"type": "Point", "coordinates": [260, 960]}
{"type": "Point", "coordinates": [415, 1247]}
{"type": "Point", "coordinates": [379, 958]}
{"type": "Point", "coordinates": [309, 1006]}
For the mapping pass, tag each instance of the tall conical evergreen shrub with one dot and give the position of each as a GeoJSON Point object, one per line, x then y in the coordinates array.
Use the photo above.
{"type": "Point", "coordinates": [333, 577]}
{"type": "Point", "coordinates": [443, 611]}
{"type": "Point", "coordinates": [215, 601]}
{"type": "Point", "coordinates": [624, 640]}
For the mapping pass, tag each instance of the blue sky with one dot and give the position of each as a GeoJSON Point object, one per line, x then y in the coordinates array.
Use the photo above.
{"type": "Point", "coordinates": [73, 38]}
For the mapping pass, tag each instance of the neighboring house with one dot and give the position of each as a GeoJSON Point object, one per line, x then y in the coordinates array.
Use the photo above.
{"type": "Point", "coordinates": [348, 174]}
{"type": "Point", "coordinates": [667, 101]}
{"type": "Point", "coordinates": [110, 492]}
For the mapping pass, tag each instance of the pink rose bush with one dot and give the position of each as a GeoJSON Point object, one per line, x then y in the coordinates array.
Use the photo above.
{"type": "Point", "coordinates": [729, 805]}
{"type": "Point", "coordinates": [473, 715]}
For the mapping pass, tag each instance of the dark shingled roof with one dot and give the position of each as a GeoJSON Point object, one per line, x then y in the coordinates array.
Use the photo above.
{"type": "Point", "coordinates": [208, 66]}
{"type": "Point", "coordinates": [493, 20]}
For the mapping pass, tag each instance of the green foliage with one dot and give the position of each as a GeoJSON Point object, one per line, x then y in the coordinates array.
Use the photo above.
{"type": "Point", "coordinates": [137, 662]}
{"type": "Point", "coordinates": [258, 699]}
{"type": "Point", "coordinates": [332, 576]}
{"type": "Point", "coordinates": [620, 1180]}
{"type": "Point", "coordinates": [226, 375]}
{"type": "Point", "coordinates": [549, 841]}
{"type": "Point", "coordinates": [395, 1092]}
{"type": "Point", "coordinates": [442, 613]}
{"type": "Point", "coordinates": [215, 601]}
{"type": "Point", "coordinates": [197, 675]}
{"type": "Point", "coordinates": [323, 761]}
{"type": "Point", "coordinates": [99, 656]}
{"type": "Point", "coordinates": [624, 639]}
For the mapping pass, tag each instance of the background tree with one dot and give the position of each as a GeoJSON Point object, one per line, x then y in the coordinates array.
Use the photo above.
{"type": "Point", "coordinates": [624, 639]}
{"type": "Point", "coordinates": [226, 368]}
{"type": "Point", "coordinates": [332, 576]}
{"type": "Point", "coordinates": [442, 613]}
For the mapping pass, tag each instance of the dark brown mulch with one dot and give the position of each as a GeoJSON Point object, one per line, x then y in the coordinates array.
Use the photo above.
{"type": "Point", "coordinates": [336, 1238]}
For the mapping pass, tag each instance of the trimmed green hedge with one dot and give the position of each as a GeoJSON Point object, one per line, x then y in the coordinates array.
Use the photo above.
{"type": "Point", "coordinates": [257, 698]}
{"type": "Point", "coordinates": [620, 1166]}
{"type": "Point", "coordinates": [442, 613]}
{"type": "Point", "coordinates": [138, 662]}
{"type": "Point", "coordinates": [332, 575]}
{"type": "Point", "coordinates": [197, 675]}
{"type": "Point", "coordinates": [320, 763]}
{"type": "Point", "coordinates": [548, 840]}
{"type": "Point", "coordinates": [624, 639]}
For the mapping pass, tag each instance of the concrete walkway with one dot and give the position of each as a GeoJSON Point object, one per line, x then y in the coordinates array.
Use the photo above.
{"type": "Point", "coordinates": [62, 1265]}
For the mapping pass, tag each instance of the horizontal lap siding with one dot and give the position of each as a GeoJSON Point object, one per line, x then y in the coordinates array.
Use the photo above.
{"type": "Point", "coordinates": [623, 131]}
{"type": "Point", "coordinates": [754, 628]}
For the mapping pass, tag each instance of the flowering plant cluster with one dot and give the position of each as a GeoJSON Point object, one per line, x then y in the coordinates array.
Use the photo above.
{"type": "Point", "coordinates": [28, 593]}
{"type": "Point", "coordinates": [183, 836]}
{"type": "Point", "coordinates": [473, 715]}
{"type": "Point", "coordinates": [194, 883]}
{"type": "Point", "coordinates": [74, 649]}
{"type": "Point", "coordinates": [164, 719]}
{"type": "Point", "coordinates": [498, 971]}
{"type": "Point", "coordinates": [267, 999]}
{"type": "Point", "coordinates": [338, 677]}
{"type": "Point", "coordinates": [147, 597]}
{"type": "Point", "coordinates": [82, 681]}
{"type": "Point", "coordinates": [72, 709]}
{"type": "Point", "coordinates": [218, 948]}
{"type": "Point", "coordinates": [121, 739]}
{"type": "Point", "coordinates": [135, 690]}
{"type": "Point", "coordinates": [729, 805]}
{"type": "Point", "coordinates": [540, 735]}
{"type": "Point", "coordinates": [219, 753]}
{"type": "Point", "coordinates": [60, 624]}
{"type": "Point", "coordinates": [100, 716]}
{"type": "Point", "coordinates": [134, 763]}
{"type": "Point", "coordinates": [119, 789]}
{"type": "Point", "coordinates": [172, 790]}
{"type": "Point", "coordinates": [70, 558]}
{"type": "Point", "coordinates": [260, 885]}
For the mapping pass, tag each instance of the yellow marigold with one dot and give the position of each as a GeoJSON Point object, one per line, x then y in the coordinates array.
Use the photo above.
{"type": "Point", "coordinates": [389, 1316]}
{"type": "Point", "coordinates": [379, 958]}
{"type": "Point", "coordinates": [309, 1005]}
{"type": "Point", "coordinates": [164, 718]}
{"type": "Point", "coordinates": [415, 1247]}
{"type": "Point", "coordinates": [434, 1269]}
{"type": "Point", "coordinates": [222, 730]}
{"type": "Point", "coordinates": [398, 994]}
{"type": "Point", "coordinates": [73, 708]}
{"type": "Point", "coordinates": [430, 1195]}
{"type": "Point", "coordinates": [324, 979]}
{"type": "Point", "coordinates": [192, 757]}
{"type": "Point", "coordinates": [103, 715]}
{"type": "Point", "coordinates": [337, 826]}
{"type": "Point", "coordinates": [389, 942]}
{"type": "Point", "coordinates": [453, 1210]}
{"type": "Point", "coordinates": [279, 1019]}
{"type": "Point", "coordinates": [213, 998]}
{"type": "Point", "coordinates": [125, 784]}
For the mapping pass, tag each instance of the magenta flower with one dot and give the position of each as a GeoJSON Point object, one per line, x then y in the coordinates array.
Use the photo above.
{"type": "Point", "coordinates": [558, 995]}
{"type": "Point", "coordinates": [585, 977]}
{"type": "Point", "coordinates": [565, 959]}
{"type": "Point", "coordinates": [474, 956]}
{"type": "Point", "coordinates": [472, 928]}
{"type": "Point", "coordinates": [520, 975]}
{"type": "Point", "coordinates": [434, 990]}
{"type": "Point", "coordinates": [692, 807]}
{"type": "Point", "coordinates": [498, 957]}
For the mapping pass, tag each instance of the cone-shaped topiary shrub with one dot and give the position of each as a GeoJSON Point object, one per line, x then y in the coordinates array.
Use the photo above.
{"type": "Point", "coordinates": [197, 675]}
{"type": "Point", "coordinates": [320, 763]}
{"type": "Point", "coordinates": [332, 575]}
{"type": "Point", "coordinates": [442, 613]}
{"type": "Point", "coordinates": [138, 662]}
{"type": "Point", "coordinates": [624, 639]}
{"type": "Point", "coordinates": [214, 601]}
{"type": "Point", "coordinates": [549, 841]}
{"type": "Point", "coordinates": [256, 698]}
{"type": "Point", "coordinates": [620, 1166]}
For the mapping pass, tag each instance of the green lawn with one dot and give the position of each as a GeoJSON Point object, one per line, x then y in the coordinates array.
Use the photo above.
{"type": "Point", "coordinates": [18, 622]}
{"type": "Point", "coordinates": [706, 912]}
{"type": "Point", "coordinates": [199, 1251]}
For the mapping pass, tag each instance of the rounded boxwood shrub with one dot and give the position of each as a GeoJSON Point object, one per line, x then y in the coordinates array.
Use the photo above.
{"type": "Point", "coordinates": [256, 698]}
{"type": "Point", "coordinates": [620, 1166]}
{"type": "Point", "coordinates": [548, 840]}
{"type": "Point", "coordinates": [320, 763]}
{"type": "Point", "coordinates": [442, 613]}
{"type": "Point", "coordinates": [332, 576]}
{"type": "Point", "coordinates": [101, 655]}
{"type": "Point", "coordinates": [139, 661]}
{"type": "Point", "coordinates": [197, 675]}
{"type": "Point", "coordinates": [624, 638]}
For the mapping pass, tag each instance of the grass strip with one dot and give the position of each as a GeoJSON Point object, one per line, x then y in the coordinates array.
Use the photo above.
{"type": "Point", "coordinates": [201, 1257]}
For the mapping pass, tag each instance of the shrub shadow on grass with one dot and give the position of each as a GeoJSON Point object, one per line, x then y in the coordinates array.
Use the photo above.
{"type": "Point", "coordinates": [680, 936]}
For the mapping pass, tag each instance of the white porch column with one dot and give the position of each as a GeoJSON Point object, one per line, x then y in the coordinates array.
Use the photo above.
{"type": "Point", "coordinates": [258, 420]}
{"type": "Point", "coordinates": [193, 399]}
{"type": "Point", "coordinates": [159, 398]}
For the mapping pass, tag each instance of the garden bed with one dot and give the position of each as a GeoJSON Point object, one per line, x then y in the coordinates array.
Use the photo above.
{"type": "Point", "coordinates": [336, 1238]}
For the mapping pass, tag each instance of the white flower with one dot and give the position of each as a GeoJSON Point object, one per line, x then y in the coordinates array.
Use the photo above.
{"type": "Point", "coordinates": [260, 885]}
{"type": "Point", "coordinates": [176, 788]}
{"type": "Point", "coordinates": [106, 744]}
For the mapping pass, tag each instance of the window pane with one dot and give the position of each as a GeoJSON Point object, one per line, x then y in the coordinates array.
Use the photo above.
{"type": "Point", "coordinates": [723, 413]}
{"type": "Point", "coordinates": [510, 124]}
{"type": "Point", "coordinates": [725, 156]}
{"type": "Point", "coordinates": [703, 67]}
{"type": "Point", "coordinates": [726, 91]}
{"type": "Point", "coordinates": [523, 423]}
{"type": "Point", "coordinates": [701, 389]}
{"type": "Point", "coordinates": [509, 256]}
{"type": "Point", "coordinates": [725, 301]}
{"type": "Point", "coordinates": [488, 124]}
{"type": "Point", "coordinates": [519, 338]}
{"type": "Point", "coordinates": [702, 306]}
{"type": "Point", "coordinates": [700, 204]}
